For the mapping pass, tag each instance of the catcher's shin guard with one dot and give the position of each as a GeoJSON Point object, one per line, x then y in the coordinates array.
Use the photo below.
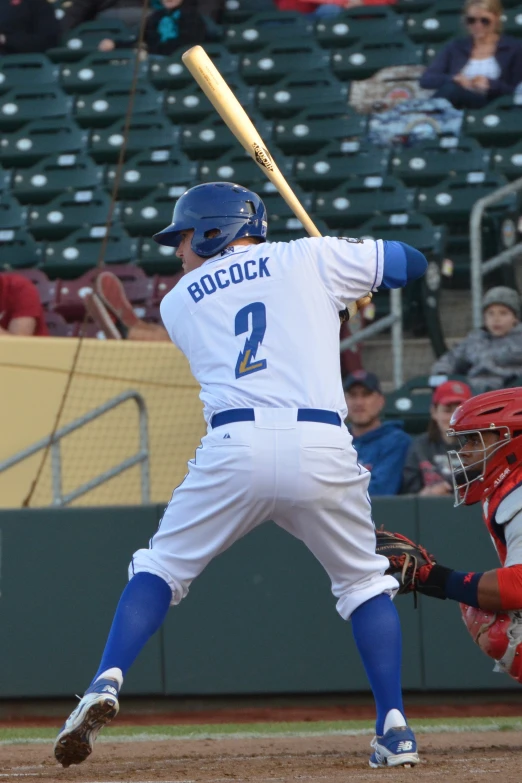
{"type": "Point", "coordinates": [499, 636]}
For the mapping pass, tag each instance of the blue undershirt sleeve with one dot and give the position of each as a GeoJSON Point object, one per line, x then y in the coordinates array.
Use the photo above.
{"type": "Point", "coordinates": [402, 264]}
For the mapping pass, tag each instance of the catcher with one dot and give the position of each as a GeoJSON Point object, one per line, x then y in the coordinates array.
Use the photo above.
{"type": "Point", "coordinates": [487, 469]}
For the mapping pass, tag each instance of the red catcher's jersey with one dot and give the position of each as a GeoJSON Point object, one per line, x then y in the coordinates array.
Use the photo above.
{"type": "Point", "coordinates": [489, 510]}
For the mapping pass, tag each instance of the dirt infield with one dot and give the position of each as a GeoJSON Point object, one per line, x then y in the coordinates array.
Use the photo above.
{"type": "Point", "coordinates": [329, 759]}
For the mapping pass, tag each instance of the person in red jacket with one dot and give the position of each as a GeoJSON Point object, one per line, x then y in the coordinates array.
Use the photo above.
{"type": "Point", "coordinates": [21, 312]}
{"type": "Point", "coordinates": [487, 469]}
{"type": "Point", "coordinates": [326, 7]}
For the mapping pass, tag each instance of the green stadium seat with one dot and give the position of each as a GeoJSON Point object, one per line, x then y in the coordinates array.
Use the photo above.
{"type": "Point", "coordinates": [211, 138]}
{"type": "Point", "coordinates": [236, 11]}
{"type": "Point", "coordinates": [100, 69]}
{"type": "Point", "coordinates": [146, 131]}
{"type": "Point", "coordinates": [69, 212]}
{"type": "Point", "coordinates": [290, 229]}
{"type": "Point", "coordinates": [439, 22]}
{"type": "Point", "coordinates": [338, 162]}
{"type": "Point", "coordinates": [365, 58]}
{"type": "Point", "coordinates": [277, 209]}
{"type": "Point", "coordinates": [149, 215]}
{"type": "Point", "coordinates": [25, 104]}
{"type": "Point", "coordinates": [307, 132]}
{"type": "Point", "coordinates": [350, 204]}
{"type": "Point", "coordinates": [432, 161]}
{"type": "Point", "coordinates": [508, 161]}
{"type": "Point", "coordinates": [452, 200]}
{"type": "Point", "coordinates": [431, 50]}
{"type": "Point", "coordinates": [376, 23]}
{"type": "Point", "coordinates": [274, 62]}
{"type": "Point", "coordinates": [84, 39]}
{"type": "Point", "coordinates": [411, 227]}
{"type": "Point", "coordinates": [411, 404]}
{"type": "Point", "coordinates": [12, 213]}
{"type": "Point", "coordinates": [81, 251]}
{"type": "Point", "coordinates": [497, 124]}
{"type": "Point", "coordinates": [412, 6]}
{"type": "Point", "coordinates": [103, 107]}
{"type": "Point", "coordinates": [41, 138]}
{"type": "Point", "coordinates": [157, 259]}
{"type": "Point", "coordinates": [191, 105]}
{"type": "Point", "coordinates": [18, 249]}
{"type": "Point", "coordinates": [238, 166]}
{"type": "Point", "coordinates": [18, 70]}
{"type": "Point", "coordinates": [54, 175]}
{"type": "Point", "coordinates": [513, 21]}
{"type": "Point", "coordinates": [295, 93]}
{"type": "Point", "coordinates": [171, 74]}
{"type": "Point", "coordinates": [150, 169]}
{"type": "Point", "coordinates": [266, 28]}
{"type": "Point", "coordinates": [5, 180]}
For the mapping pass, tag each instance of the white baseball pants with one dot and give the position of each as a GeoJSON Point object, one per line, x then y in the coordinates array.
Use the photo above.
{"type": "Point", "coordinates": [302, 475]}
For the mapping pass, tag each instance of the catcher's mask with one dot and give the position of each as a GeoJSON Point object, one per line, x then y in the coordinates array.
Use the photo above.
{"type": "Point", "coordinates": [482, 463]}
{"type": "Point", "coordinates": [219, 212]}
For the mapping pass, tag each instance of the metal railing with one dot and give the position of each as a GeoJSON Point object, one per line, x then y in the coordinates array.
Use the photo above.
{"type": "Point", "coordinates": [141, 457]}
{"type": "Point", "coordinates": [478, 267]}
{"type": "Point", "coordinates": [393, 320]}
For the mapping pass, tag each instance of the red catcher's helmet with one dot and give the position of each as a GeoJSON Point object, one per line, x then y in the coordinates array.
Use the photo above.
{"type": "Point", "coordinates": [495, 411]}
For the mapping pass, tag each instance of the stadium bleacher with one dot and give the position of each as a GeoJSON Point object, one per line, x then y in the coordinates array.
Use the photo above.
{"type": "Point", "coordinates": [62, 124]}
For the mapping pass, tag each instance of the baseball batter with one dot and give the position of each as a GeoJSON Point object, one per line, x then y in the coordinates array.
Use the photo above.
{"type": "Point", "coordinates": [259, 324]}
{"type": "Point", "coordinates": [487, 469]}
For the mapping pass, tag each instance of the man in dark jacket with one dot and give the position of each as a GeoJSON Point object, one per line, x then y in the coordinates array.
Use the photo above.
{"type": "Point", "coordinates": [381, 447]}
{"type": "Point", "coordinates": [27, 26]}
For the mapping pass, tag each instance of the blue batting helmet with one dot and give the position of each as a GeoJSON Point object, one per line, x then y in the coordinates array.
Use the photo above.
{"type": "Point", "coordinates": [230, 209]}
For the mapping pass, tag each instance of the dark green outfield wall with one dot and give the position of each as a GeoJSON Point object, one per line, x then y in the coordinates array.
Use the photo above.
{"type": "Point", "coordinates": [261, 619]}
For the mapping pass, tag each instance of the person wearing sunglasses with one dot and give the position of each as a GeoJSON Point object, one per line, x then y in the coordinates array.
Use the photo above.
{"type": "Point", "coordinates": [472, 71]}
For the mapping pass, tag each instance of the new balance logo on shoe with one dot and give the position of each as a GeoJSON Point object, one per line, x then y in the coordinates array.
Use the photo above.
{"type": "Point", "coordinates": [110, 689]}
{"type": "Point", "coordinates": [404, 746]}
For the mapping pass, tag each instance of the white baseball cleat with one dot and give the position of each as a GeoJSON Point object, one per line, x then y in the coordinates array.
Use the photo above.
{"type": "Point", "coordinates": [397, 747]}
{"type": "Point", "coordinates": [96, 709]}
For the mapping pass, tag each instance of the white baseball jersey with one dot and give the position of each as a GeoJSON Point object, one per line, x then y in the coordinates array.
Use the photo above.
{"type": "Point", "coordinates": [260, 327]}
{"type": "Point", "coordinates": [259, 324]}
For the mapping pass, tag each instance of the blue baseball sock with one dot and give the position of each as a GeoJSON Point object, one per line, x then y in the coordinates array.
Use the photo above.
{"type": "Point", "coordinates": [377, 634]}
{"type": "Point", "coordinates": [140, 613]}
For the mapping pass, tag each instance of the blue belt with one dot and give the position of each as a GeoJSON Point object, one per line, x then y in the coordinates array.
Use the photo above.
{"type": "Point", "coordinates": [247, 414]}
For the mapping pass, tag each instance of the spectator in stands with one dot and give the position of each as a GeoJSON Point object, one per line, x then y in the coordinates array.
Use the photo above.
{"type": "Point", "coordinates": [426, 470]}
{"type": "Point", "coordinates": [325, 8]}
{"type": "Point", "coordinates": [127, 11]}
{"type": "Point", "coordinates": [177, 24]}
{"type": "Point", "coordinates": [472, 71]}
{"type": "Point", "coordinates": [27, 26]}
{"type": "Point", "coordinates": [490, 357]}
{"type": "Point", "coordinates": [110, 309]}
{"type": "Point", "coordinates": [381, 446]}
{"type": "Point", "coordinates": [21, 312]}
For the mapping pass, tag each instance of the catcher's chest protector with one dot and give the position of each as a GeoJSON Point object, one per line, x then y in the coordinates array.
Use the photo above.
{"type": "Point", "coordinates": [498, 635]}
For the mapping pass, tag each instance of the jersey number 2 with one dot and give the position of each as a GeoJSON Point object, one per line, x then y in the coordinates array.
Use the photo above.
{"type": "Point", "coordinates": [246, 363]}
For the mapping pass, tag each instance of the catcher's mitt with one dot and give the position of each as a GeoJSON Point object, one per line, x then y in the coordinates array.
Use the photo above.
{"type": "Point", "coordinates": [410, 563]}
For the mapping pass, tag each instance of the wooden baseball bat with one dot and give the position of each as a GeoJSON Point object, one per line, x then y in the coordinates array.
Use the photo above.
{"type": "Point", "coordinates": [233, 114]}
{"type": "Point", "coordinates": [235, 117]}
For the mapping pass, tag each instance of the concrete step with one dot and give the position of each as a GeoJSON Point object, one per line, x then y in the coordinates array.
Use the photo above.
{"type": "Point", "coordinates": [455, 313]}
{"type": "Point", "coordinates": [378, 358]}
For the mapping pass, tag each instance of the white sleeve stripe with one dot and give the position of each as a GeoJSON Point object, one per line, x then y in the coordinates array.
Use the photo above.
{"type": "Point", "coordinates": [379, 259]}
